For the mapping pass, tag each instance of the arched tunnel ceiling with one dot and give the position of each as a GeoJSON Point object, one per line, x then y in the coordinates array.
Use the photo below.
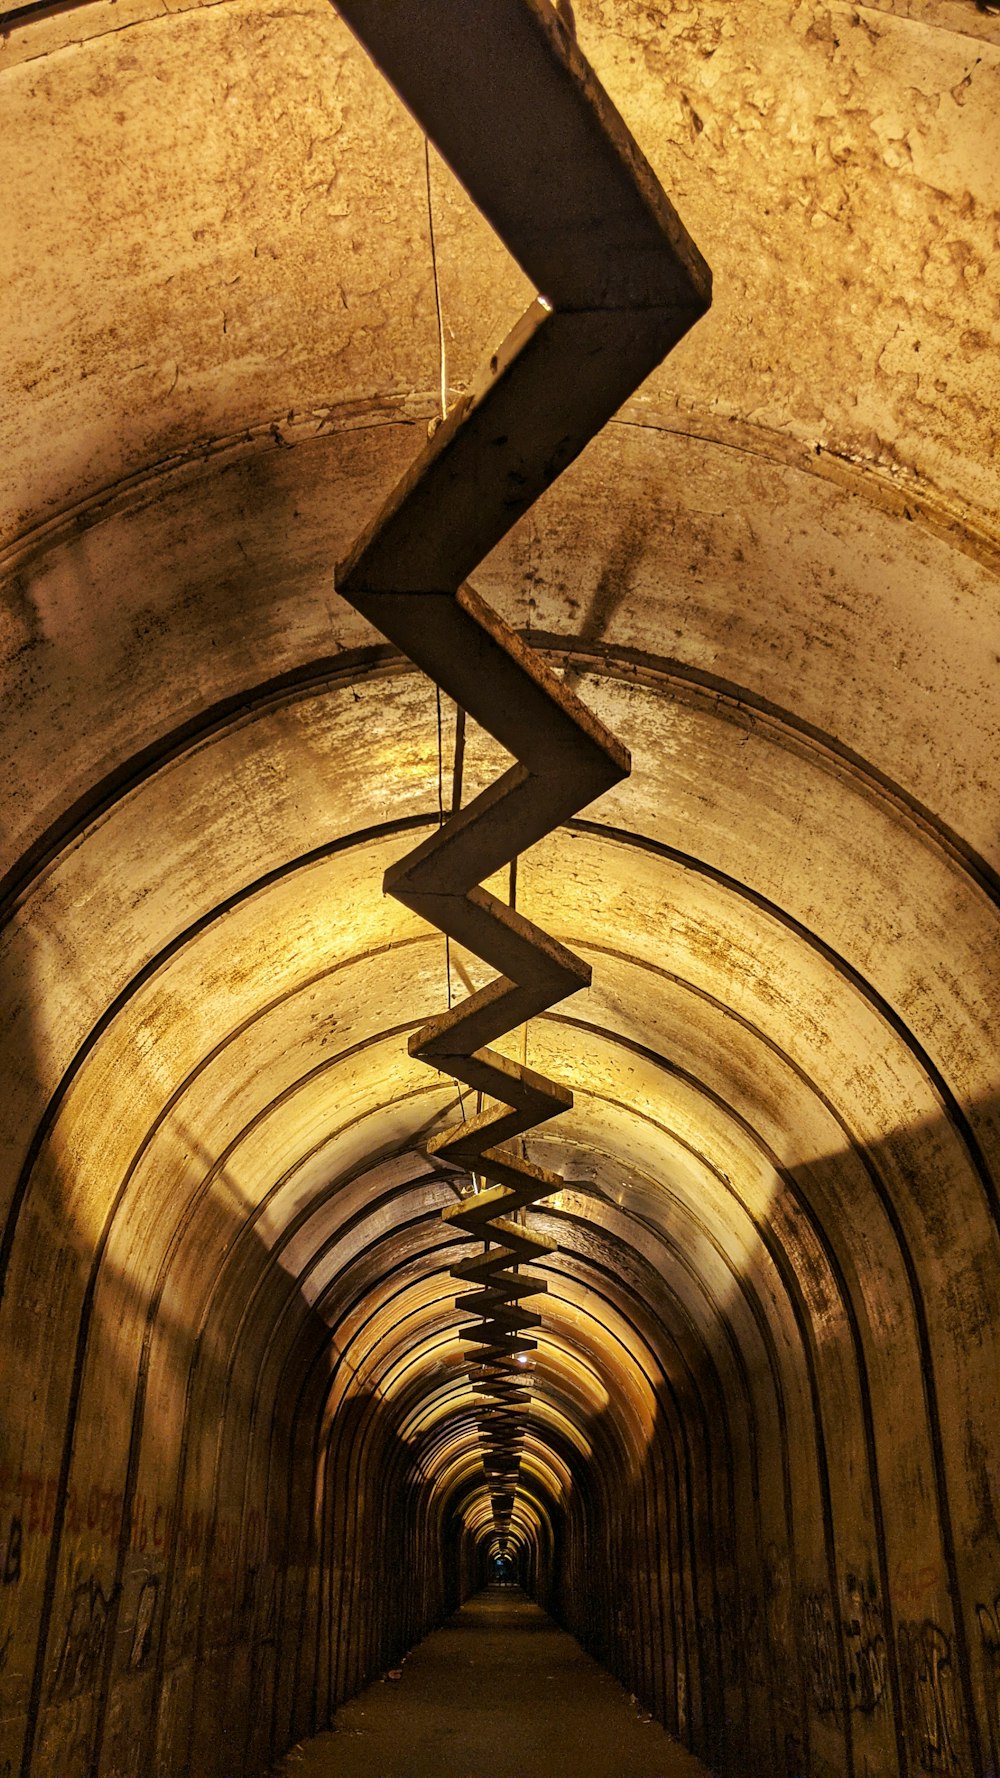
{"type": "Point", "coordinates": [774, 575]}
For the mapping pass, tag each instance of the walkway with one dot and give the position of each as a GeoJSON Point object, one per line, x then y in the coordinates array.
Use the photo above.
{"type": "Point", "coordinates": [499, 1692]}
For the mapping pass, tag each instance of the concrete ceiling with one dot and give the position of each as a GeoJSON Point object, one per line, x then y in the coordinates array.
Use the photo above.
{"type": "Point", "coordinates": [774, 575]}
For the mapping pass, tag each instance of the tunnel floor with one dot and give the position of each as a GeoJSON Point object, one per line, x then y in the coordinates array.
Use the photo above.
{"type": "Point", "coordinates": [498, 1692]}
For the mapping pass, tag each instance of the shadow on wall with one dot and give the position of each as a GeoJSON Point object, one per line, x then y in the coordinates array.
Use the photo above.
{"type": "Point", "coordinates": [802, 1576]}
{"type": "Point", "coordinates": [180, 1594]}
{"type": "Point", "coordinates": [162, 1609]}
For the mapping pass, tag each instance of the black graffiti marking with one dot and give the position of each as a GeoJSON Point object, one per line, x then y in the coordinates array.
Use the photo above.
{"type": "Point", "coordinates": [83, 1644]}
{"type": "Point", "coordinates": [268, 1625]}
{"type": "Point", "coordinates": [930, 1697]}
{"type": "Point", "coordinates": [145, 1612]}
{"type": "Point", "coordinates": [989, 1629]}
{"type": "Point", "coordinates": [864, 1643]}
{"type": "Point", "coordinates": [11, 1571]}
{"type": "Point", "coordinates": [862, 1633]}
{"type": "Point", "coordinates": [5, 1651]}
{"type": "Point", "coordinates": [866, 1669]}
{"type": "Point", "coordinates": [819, 1635]}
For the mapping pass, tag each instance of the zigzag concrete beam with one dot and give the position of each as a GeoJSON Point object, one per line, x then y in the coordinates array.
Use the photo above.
{"type": "Point", "coordinates": [552, 166]}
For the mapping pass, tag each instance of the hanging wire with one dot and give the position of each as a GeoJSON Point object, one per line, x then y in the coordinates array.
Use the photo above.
{"type": "Point", "coordinates": [440, 765]}
{"type": "Point", "coordinates": [443, 373]}
{"type": "Point", "coordinates": [437, 690]}
{"type": "Point", "coordinates": [442, 354]}
{"type": "Point", "coordinates": [458, 766]}
{"type": "Point", "coordinates": [440, 771]}
{"type": "Point", "coordinates": [512, 900]}
{"type": "Point", "coordinates": [459, 761]}
{"type": "Point", "coordinates": [456, 803]}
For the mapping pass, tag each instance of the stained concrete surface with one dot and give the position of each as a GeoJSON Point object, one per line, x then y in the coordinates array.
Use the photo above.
{"type": "Point", "coordinates": [764, 1470]}
{"type": "Point", "coordinates": [498, 1692]}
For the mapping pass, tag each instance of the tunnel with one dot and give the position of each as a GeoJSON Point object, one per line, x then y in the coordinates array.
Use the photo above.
{"type": "Point", "coordinates": [241, 1471]}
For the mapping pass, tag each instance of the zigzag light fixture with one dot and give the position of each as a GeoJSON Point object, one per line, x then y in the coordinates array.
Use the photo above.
{"type": "Point", "coordinates": [504, 93]}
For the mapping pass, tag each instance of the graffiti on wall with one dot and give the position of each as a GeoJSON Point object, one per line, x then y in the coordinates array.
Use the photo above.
{"type": "Point", "coordinates": [912, 1583]}
{"type": "Point", "coordinates": [819, 1637]}
{"type": "Point", "coordinates": [11, 1546]}
{"type": "Point", "coordinates": [145, 1613]}
{"type": "Point", "coordinates": [931, 1711]}
{"type": "Point", "coordinates": [864, 1646]}
{"type": "Point", "coordinates": [988, 1618]}
{"type": "Point", "coordinates": [851, 1644]}
{"type": "Point", "coordinates": [82, 1650]}
{"type": "Point", "coordinates": [858, 1629]}
{"type": "Point", "coordinates": [99, 1513]}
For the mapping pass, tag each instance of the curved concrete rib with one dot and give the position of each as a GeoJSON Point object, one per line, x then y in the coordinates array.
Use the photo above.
{"type": "Point", "coordinates": [504, 93]}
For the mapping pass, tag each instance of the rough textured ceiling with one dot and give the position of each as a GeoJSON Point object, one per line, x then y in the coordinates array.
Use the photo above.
{"type": "Point", "coordinates": [774, 575]}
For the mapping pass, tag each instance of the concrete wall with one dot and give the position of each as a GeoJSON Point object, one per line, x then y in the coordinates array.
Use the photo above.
{"type": "Point", "coordinates": [238, 1462]}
